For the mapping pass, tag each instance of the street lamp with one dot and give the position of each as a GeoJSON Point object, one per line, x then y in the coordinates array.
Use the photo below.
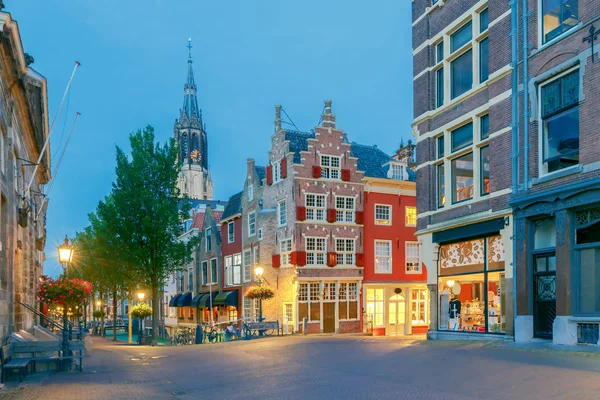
{"type": "Point", "coordinates": [65, 255]}
{"type": "Point", "coordinates": [259, 271]}
{"type": "Point", "coordinates": [141, 333]}
{"type": "Point", "coordinates": [141, 296]}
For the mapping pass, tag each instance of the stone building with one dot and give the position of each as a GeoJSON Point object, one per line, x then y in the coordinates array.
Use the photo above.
{"type": "Point", "coordinates": [23, 131]}
{"type": "Point", "coordinates": [190, 132]}
{"type": "Point", "coordinates": [462, 126]}
{"type": "Point", "coordinates": [557, 190]}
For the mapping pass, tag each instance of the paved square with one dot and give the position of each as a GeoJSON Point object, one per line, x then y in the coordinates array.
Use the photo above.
{"type": "Point", "coordinates": [323, 367]}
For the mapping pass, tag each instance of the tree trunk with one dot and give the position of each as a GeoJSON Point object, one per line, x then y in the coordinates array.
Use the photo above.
{"type": "Point", "coordinates": [102, 307]}
{"type": "Point", "coordinates": [114, 315]}
{"type": "Point", "coordinates": [155, 311]}
{"type": "Point", "coordinates": [130, 318]}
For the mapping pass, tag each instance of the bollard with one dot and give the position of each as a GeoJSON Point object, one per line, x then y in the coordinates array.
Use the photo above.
{"type": "Point", "coordinates": [304, 326]}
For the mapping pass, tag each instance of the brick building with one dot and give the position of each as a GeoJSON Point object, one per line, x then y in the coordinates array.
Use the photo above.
{"type": "Point", "coordinates": [231, 249]}
{"type": "Point", "coordinates": [394, 296]}
{"type": "Point", "coordinates": [462, 126]}
{"type": "Point", "coordinates": [556, 201]}
{"type": "Point", "coordinates": [23, 131]}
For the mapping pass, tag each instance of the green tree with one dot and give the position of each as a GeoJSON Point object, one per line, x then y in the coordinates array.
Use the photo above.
{"type": "Point", "coordinates": [148, 212]}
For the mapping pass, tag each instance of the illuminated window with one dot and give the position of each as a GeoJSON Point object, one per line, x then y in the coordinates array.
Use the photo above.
{"type": "Point", "coordinates": [411, 216]}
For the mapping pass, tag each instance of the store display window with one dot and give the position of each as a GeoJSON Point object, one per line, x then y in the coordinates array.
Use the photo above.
{"type": "Point", "coordinates": [472, 286]}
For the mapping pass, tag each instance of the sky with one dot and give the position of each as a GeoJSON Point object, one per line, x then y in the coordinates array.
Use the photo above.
{"type": "Point", "coordinates": [248, 57]}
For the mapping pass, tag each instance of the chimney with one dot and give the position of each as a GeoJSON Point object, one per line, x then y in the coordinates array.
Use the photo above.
{"type": "Point", "coordinates": [250, 163]}
{"type": "Point", "coordinates": [328, 118]}
{"type": "Point", "coordinates": [277, 118]}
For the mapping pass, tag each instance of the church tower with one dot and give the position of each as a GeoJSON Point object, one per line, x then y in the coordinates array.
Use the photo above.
{"type": "Point", "coordinates": [190, 133]}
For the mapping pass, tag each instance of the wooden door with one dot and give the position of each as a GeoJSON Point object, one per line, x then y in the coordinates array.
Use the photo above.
{"type": "Point", "coordinates": [328, 317]}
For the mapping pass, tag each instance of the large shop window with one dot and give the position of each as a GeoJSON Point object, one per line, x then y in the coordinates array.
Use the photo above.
{"type": "Point", "coordinates": [588, 262]}
{"type": "Point", "coordinates": [472, 287]}
{"type": "Point", "coordinates": [558, 16]}
{"type": "Point", "coordinates": [419, 307]}
{"type": "Point", "coordinates": [348, 301]}
{"type": "Point", "coordinates": [375, 302]}
{"type": "Point", "coordinates": [309, 305]}
{"type": "Point", "coordinates": [560, 122]}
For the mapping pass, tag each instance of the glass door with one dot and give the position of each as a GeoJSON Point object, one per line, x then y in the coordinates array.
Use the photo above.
{"type": "Point", "coordinates": [396, 315]}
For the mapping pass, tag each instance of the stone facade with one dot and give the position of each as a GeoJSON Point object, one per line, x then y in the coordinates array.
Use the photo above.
{"type": "Point", "coordinates": [23, 131]}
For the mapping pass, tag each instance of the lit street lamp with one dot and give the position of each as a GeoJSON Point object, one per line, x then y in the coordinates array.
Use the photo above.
{"type": "Point", "coordinates": [258, 271]}
{"type": "Point", "coordinates": [141, 333]}
{"type": "Point", "coordinates": [65, 255]}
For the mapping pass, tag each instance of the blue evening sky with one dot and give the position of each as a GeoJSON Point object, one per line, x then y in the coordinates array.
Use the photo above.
{"type": "Point", "coordinates": [248, 57]}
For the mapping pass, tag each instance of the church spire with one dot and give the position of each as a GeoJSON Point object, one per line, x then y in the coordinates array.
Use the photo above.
{"type": "Point", "coordinates": [190, 101]}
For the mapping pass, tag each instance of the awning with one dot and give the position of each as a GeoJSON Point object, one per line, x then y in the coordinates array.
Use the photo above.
{"type": "Point", "coordinates": [204, 301]}
{"type": "Point", "coordinates": [173, 301]}
{"type": "Point", "coordinates": [184, 300]}
{"type": "Point", "coordinates": [196, 300]}
{"type": "Point", "coordinates": [227, 299]}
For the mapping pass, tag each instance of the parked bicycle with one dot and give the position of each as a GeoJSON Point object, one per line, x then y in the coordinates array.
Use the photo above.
{"type": "Point", "coordinates": [209, 333]}
{"type": "Point", "coordinates": [184, 336]}
{"type": "Point", "coordinates": [232, 332]}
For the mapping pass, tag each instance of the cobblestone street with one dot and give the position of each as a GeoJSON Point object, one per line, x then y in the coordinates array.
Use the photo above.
{"type": "Point", "coordinates": [323, 367]}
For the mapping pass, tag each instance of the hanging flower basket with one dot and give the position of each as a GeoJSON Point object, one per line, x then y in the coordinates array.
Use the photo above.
{"type": "Point", "coordinates": [63, 291]}
{"type": "Point", "coordinates": [98, 314]}
{"type": "Point", "coordinates": [141, 311]}
{"type": "Point", "coordinates": [259, 292]}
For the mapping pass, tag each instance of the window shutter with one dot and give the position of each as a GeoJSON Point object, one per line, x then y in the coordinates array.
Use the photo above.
{"type": "Point", "coordinates": [283, 168]}
{"type": "Point", "coordinates": [316, 171]}
{"type": "Point", "coordinates": [300, 213]}
{"type": "Point", "coordinates": [359, 217]}
{"type": "Point", "coordinates": [331, 215]}
{"type": "Point", "coordinates": [269, 175]}
{"type": "Point", "coordinates": [360, 260]}
{"type": "Point", "coordinates": [293, 258]}
{"type": "Point", "coordinates": [331, 259]}
{"type": "Point", "coordinates": [301, 258]}
{"type": "Point", "coordinates": [276, 260]}
{"type": "Point", "coordinates": [345, 174]}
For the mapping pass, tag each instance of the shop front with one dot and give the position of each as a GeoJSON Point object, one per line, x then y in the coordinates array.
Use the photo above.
{"type": "Point", "coordinates": [395, 309]}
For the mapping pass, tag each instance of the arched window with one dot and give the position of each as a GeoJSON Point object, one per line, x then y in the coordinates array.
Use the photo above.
{"type": "Point", "coordinates": [195, 142]}
{"type": "Point", "coordinates": [545, 234]}
{"type": "Point", "coordinates": [184, 146]}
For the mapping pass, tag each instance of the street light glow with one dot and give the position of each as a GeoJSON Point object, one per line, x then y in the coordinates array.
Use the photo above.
{"type": "Point", "coordinates": [141, 296]}
{"type": "Point", "coordinates": [259, 272]}
{"type": "Point", "coordinates": [65, 252]}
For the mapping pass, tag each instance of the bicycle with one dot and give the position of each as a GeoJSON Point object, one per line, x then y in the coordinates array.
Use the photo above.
{"type": "Point", "coordinates": [232, 332]}
{"type": "Point", "coordinates": [183, 336]}
{"type": "Point", "coordinates": [209, 333]}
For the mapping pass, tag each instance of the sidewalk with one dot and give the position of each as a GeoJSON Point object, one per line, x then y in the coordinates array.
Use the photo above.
{"type": "Point", "coordinates": [107, 374]}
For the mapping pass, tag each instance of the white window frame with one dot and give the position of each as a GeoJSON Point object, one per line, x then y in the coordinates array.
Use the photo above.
{"type": "Point", "coordinates": [252, 226]}
{"type": "Point", "coordinates": [409, 262]}
{"type": "Point", "coordinates": [247, 306]}
{"type": "Point", "coordinates": [542, 167]}
{"type": "Point", "coordinates": [237, 269]}
{"type": "Point", "coordinates": [281, 216]}
{"type": "Point", "coordinates": [288, 316]}
{"type": "Point", "coordinates": [422, 298]}
{"type": "Point", "coordinates": [247, 265]}
{"type": "Point", "coordinates": [313, 252]}
{"type": "Point", "coordinates": [376, 255]}
{"type": "Point", "coordinates": [190, 283]}
{"type": "Point", "coordinates": [208, 239]}
{"type": "Point", "coordinates": [250, 192]}
{"type": "Point", "coordinates": [276, 172]}
{"type": "Point", "coordinates": [540, 28]}
{"type": "Point", "coordinates": [377, 304]}
{"type": "Point", "coordinates": [348, 253]}
{"type": "Point", "coordinates": [307, 294]}
{"type": "Point", "coordinates": [228, 270]}
{"type": "Point", "coordinates": [315, 210]}
{"type": "Point", "coordinates": [380, 221]}
{"type": "Point", "coordinates": [344, 214]}
{"type": "Point", "coordinates": [285, 251]}
{"type": "Point", "coordinates": [328, 170]}
{"type": "Point", "coordinates": [231, 232]}
{"type": "Point", "coordinates": [406, 220]}
{"type": "Point", "coordinates": [397, 172]}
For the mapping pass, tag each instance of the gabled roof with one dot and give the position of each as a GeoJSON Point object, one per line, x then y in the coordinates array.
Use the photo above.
{"type": "Point", "coordinates": [198, 220]}
{"type": "Point", "coordinates": [298, 142]}
{"type": "Point", "coordinates": [234, 206]}
{"type": "Point", "coordinates": [370, 160]}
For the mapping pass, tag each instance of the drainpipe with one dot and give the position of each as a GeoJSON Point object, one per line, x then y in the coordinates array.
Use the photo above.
{"type": "Point", "coordinates": [525, 96]}
{"type": "Point", "coordinates": [514, 8]}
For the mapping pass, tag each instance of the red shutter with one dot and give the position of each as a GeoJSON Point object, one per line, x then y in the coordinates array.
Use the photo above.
{"type": "Point", "coordinates": [300, 213]}
{"type": "Point", "coordinates": [331, 259]}
{"type": "Point", "coordinates": [359, 218]}
{"type": "Point", "coordinates": [331, 215]}
{"type": "Point", "coordinates": [316, 170]}
{"type": "Point", "coordinates": [301, 258]}
{"type": "Point", "coordinates": [293, 258]}
{"type": "Point", "coordinates": [269, 175]}
{"type": "Point", "coordinates": [276, 261]}
{"type": "Point", "coordinates": [283, 167]}
{"type": "Point", "coordinates": [345, 174]}
{"type": "Point", "coordinates": [360, 260]}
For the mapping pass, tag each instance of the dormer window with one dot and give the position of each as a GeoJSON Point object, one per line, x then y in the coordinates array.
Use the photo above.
{"type": "Point", "coordinates": [330, 167]}
{"type": "Point", "coordinates": [397, 172]}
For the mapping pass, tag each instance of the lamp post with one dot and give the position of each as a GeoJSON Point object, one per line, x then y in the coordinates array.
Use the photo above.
{"type": "Point", "coordinates": [259, 271]}
{"type": "Point", "coordinates": [141, 299]}
{"type": "Point", "coordinates": [65, 256]}
{"type": "Point", "coordinates": [100, 325]}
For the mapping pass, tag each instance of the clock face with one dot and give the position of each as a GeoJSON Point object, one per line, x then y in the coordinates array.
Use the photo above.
{"type": "Point", "coordinates": [195, 155]}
